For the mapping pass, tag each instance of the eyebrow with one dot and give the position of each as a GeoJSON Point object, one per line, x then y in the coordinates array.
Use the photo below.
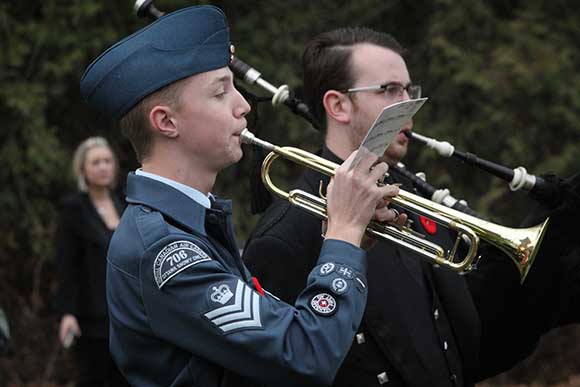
{"type": "Point", "coordinates": [223, 79]}
{"type": "Point", "coordinates": [396, 83]}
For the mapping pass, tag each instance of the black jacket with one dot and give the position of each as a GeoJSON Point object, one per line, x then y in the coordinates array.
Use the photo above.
{"type": "Point", "coordinates": [420, 326]}
{"type": "Point", "coordinates": [514, 317]}
{"type": "Point", "coordinates": [82, 241]}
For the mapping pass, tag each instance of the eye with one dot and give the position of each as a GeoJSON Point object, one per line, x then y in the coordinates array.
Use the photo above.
{"type": "Point", "coordinates": [393, 90]}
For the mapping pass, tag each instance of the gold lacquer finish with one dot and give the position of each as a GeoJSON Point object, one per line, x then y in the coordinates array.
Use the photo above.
{"type": "Point", "coordinates": [520, 244]}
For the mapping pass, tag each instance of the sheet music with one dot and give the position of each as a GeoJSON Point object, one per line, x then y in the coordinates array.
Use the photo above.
{"type": "Point", "coordinates": [387, 125]}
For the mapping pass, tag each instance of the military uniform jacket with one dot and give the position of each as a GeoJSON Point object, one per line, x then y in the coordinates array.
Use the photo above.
{"type": "Point", "coordinates": [184, 310]}
{"type": "Point", "coordinates": [420, 327]}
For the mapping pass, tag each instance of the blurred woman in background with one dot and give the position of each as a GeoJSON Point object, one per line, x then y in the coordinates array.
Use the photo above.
{"type": "Point", "coordinates": [87, 219]}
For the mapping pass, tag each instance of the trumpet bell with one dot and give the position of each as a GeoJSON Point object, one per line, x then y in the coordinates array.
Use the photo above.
{"type": "Point", "coordinates": [520, 244]}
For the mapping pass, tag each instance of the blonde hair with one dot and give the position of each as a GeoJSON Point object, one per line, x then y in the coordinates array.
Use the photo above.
{"type": "Point", "coordinates": [80, 157]}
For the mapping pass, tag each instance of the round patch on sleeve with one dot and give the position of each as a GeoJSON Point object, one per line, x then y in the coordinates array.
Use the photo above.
{"type": "Point", "coordinates": [323, 304]}
{"type": "Point", "coordinates": [339, 285]}
{"type": "Point", "coordinates": [174, 258]}
{"type": "Point", "coordinates": [327, 268]}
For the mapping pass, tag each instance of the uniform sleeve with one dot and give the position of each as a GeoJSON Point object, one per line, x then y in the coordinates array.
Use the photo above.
{"type": "Point", "coordinates": [68, 253]}
{"type": "Point", "coordinates": [194, 302]}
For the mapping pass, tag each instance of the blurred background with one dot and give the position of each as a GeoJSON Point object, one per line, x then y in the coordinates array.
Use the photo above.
{"type": "Point", "coordinates": [501, 76]}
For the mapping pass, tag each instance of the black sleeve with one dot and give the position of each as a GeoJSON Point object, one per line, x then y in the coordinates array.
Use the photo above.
{"type": "Point", "coordinates": [508, 335]}
{"type": "Point", "coordinates": [283, 249]}
{"type": "Point", "coordinates": [68, 258]}
{"type": "Point", "coordinates": [515, 317]}
{"type": "Point", "coordinates": [280, 268]}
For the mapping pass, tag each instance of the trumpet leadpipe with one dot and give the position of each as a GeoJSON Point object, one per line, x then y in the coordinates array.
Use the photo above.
{"type": "Point", "coordinates": [519, 244]}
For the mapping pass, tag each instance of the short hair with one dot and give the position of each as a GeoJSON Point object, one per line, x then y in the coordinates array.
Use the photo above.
{"type": "Point", "coordinates": [135, 124]}
{"type": "Point", "coordinates": [327, 64]}
{"type": "Point", "coordinates": [80, 158]}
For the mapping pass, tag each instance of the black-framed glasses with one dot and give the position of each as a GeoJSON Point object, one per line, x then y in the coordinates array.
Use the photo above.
{"type": "Point", "coordinates": [391, 90]}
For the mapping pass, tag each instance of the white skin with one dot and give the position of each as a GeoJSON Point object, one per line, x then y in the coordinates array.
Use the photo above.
{"type": "Point", "coordinates": [349, 117]}
{"type": "Point", "coordinates": [99, 172]}
{"type": "Point", "coordinates": [198, 138]}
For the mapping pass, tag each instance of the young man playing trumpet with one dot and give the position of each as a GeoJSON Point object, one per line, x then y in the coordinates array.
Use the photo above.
{"type": "Point", "coordinates": [184, 309]}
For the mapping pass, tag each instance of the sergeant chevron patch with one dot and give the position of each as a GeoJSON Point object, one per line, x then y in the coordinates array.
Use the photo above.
{"type": "Point", "coordinates": [242, 313]}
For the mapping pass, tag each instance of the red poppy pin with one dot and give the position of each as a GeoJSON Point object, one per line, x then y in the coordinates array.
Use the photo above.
{"type": "Point", "coordinates": [259, 288]}
{"type": "Point", "coordinates": [429, 225]}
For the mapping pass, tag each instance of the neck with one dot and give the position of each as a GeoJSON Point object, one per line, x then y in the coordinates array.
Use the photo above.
{"type": "Point", "coordinates": [99, 193]}
{"type": "Point", "coordinates": [192, 175]}
{"type": "Point", "coordinates": [338, 141]}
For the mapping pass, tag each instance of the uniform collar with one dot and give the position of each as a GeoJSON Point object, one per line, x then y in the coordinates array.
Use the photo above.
{"type": "Point", "coordinates": [194, 194]}
{"type": "Point", "coordinates": [171, 202]}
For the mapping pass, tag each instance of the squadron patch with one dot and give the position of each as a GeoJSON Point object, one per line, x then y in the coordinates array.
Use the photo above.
{"type": "Point", "coordinates": [323, 304]}
{"type": "Point", "coordinates": [174, 258]}
{"type": "Point", "coordinates": [243, 313]}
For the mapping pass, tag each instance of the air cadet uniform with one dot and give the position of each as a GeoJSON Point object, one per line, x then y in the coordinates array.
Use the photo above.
{"type": "Point", "coordinates": [184, 310]}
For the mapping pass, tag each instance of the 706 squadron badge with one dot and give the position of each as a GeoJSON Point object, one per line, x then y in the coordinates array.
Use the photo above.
{"type": "Point", "coordinates": [323, 304]}
{"type": "Point", "coordinates": [174, 258]}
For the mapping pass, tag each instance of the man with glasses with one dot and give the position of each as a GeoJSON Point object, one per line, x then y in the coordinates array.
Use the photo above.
{"type": "Point", "coordinates": [420, 326]}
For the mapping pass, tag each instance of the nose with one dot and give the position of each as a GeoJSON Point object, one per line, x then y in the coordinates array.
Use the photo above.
{"type": "Point", "coordinates": [242, 106]}
{"type": "Point", "coordinates": [405, 96]}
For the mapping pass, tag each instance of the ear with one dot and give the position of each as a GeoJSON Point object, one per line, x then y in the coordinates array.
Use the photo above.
{"type": "Point", "coordinates": [162, 121]}
{"type": "Point", "coordinates": [338, 106]}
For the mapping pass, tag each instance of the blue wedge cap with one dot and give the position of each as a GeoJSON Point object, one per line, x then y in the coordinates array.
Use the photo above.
{"type": "Point", "coordinates": [190, 41]}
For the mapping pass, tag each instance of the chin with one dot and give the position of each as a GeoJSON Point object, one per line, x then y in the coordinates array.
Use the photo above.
{"type": "Point", "coordinates": [236, 156]}
{"type": "Point", "coordinates": [396, 152]}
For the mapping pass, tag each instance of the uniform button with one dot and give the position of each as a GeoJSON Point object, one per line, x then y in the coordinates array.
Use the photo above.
{"type": "Point", "coordinates": [453, 377]}
{"type": "Point", "coordinates": [436, 314]}
{"type": "Point", "coordinates": [360, 338]}
{"type": "Point", "coordinates": [445, 346]}
{"type": "Point", "coordinates": [212, 218]}
{"type": "Point", "coordinates": [383, 378]}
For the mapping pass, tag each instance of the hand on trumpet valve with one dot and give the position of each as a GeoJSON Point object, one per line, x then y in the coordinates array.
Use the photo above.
{"type": "Point", "coordinates": [354, 198]}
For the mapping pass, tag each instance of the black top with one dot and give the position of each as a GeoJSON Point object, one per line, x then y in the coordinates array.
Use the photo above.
{"type": "Point", "coordinates": [420, 326]}
{"type": "Point", "coordinates": [82, 241]}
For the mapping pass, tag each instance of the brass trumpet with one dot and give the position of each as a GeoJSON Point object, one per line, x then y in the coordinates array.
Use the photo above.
{"type": "Point", "coordinates": [520, 244]}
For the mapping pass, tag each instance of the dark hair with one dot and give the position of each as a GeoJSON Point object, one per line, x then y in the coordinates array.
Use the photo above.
{"type": "Point", "coordinates": [327, 65]}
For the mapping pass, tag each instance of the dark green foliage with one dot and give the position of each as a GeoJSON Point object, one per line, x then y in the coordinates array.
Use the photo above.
{"type": "Point", "coordinates": [502, 78]}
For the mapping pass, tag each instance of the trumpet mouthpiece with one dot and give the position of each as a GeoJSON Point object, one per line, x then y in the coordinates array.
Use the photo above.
{"type": "Point", "coordinates": [247, 137]}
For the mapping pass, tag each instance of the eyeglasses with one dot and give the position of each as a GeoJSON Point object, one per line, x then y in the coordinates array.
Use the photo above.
{"type": "Point", "coordinates": [392, 90]}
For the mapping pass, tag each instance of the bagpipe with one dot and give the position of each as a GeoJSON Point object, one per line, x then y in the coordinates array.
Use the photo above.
{"type": "Point", "coordinates": [549, 190]}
